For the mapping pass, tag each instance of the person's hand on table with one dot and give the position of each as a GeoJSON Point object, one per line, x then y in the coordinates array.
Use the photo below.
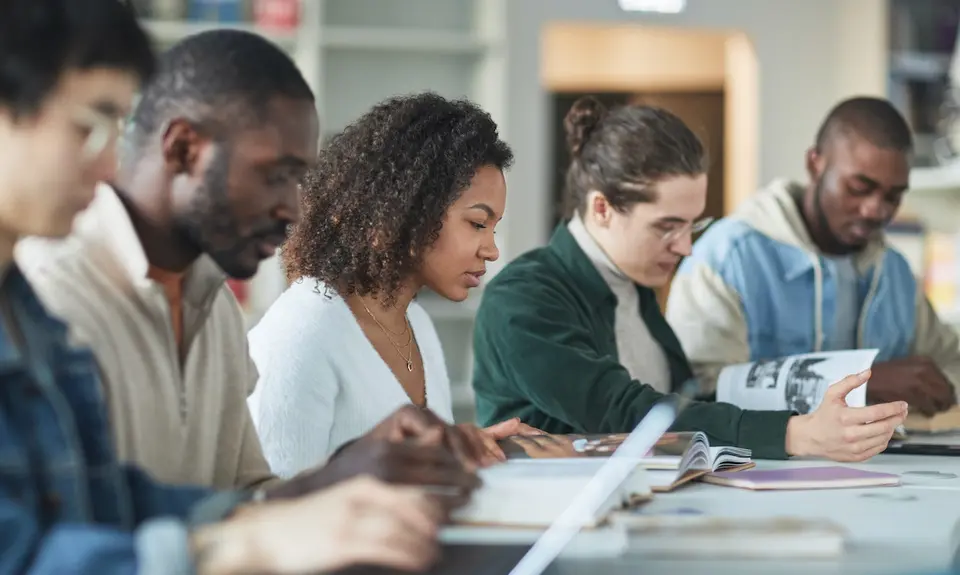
{"type": "Point", "coordinates": [842, 433]}
{"type": "Point", "coordinates": [509, 428]}
{"type": "Point", "coordinates": [361, 521]}
{"type": "Point", "coordinates": [484, 441]}
{"type": "Point", "coordinates": [916, 380]}
{"type": "Point", "coordinates": [411, 447]}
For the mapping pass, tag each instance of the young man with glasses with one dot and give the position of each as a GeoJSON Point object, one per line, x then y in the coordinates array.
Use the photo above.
{"type": "Point", "coordinates": [570, 337]}
{"type": "Point", "coordinates": [800, 268]}
{"type": "Point", "coordinates": [68, 72]}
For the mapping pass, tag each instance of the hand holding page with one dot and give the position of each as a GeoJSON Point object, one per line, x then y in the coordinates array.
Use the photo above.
{"type": "Point", "coordinates": [796, 382]}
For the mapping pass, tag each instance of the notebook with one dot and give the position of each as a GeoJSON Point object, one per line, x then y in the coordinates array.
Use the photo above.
{"type": "Point", "coordinates": [941, 422]}
{"type": "Point", "coordinates": [678, 457]}
{"type": "Point", "coordinates": [832, 477]}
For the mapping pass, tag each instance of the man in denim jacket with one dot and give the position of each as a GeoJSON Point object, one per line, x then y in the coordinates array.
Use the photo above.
{"type": "Point", "coordinates": [805, 268]}
{"type": "Point", "coordinates": [68, 72]}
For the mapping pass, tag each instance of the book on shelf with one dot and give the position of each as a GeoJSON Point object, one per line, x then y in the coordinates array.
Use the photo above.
{"type": "Point", "coordinates": [707, 537]}
{"type": "Point", "coordinates": [521, 494]}
{"type": "Point", "coordinates": [795, 478]}
{"type": "Point", "coordinates": [677, 458]}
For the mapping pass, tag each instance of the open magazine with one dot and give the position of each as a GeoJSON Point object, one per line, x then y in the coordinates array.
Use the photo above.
{"type": "Point", "coordinates": [678, 457]}
{"type": "Point", "coordinates": [795, 382]}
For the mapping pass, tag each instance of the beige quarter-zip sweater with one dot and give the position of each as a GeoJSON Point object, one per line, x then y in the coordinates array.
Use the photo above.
{"type": "Point", "coordinates": [180, 414]}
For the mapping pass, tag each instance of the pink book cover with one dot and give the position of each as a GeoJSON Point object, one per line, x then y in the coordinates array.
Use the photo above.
{"type": "Point", "coordinates": [832, 477]}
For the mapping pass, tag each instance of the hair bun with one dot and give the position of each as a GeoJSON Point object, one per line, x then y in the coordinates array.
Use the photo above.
{"type": "Point", "coordinates": [581, 120]}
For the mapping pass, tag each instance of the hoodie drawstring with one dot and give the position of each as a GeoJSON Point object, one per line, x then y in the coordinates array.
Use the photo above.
{"type": "Point", "coordinates": [871, 293]}
{"type": "Point", "coordinates": [817, 304]}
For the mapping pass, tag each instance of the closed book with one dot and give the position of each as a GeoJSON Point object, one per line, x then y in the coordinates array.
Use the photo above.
{"type": "Point", "coordinates": [533, 493]}
{"type": "Point", "coordinates": [831, 477]}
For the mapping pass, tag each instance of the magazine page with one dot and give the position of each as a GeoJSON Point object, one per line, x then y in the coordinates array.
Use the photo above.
{"type": "Point", "coordinates": [561, 446]}
{"type": "Point", "coordinates": [668, 450]}
{"type": "Point", "coordinates": [796, 382]}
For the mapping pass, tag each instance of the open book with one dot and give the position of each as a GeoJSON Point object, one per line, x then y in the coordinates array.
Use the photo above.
{"type": "Point", "coordinates": [795, 382]}
{"type": "Point", "coordinates": [677, 458]}
{"type": "Point", "coordinates": [680, 457]}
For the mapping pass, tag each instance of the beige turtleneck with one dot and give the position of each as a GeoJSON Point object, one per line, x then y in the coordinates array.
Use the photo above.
{"type": "Point", "coordinates": [639, 353]}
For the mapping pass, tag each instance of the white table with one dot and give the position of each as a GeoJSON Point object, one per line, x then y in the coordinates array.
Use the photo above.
{"type": "Point", "coordinates": [902, 530]}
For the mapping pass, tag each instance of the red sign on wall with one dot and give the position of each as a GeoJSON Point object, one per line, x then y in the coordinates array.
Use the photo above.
{"type": "Point", "coordinates": [280, 14]}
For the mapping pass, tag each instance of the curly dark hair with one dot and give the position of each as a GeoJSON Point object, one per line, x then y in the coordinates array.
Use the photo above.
{"type": "Point", "coordinates": [379, 193]}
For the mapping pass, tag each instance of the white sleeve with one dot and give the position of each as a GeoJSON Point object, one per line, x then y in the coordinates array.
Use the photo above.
{"type": "Point", "coordinates": [292, 404]}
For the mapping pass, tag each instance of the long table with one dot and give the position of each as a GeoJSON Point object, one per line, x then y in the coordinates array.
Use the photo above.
{"type": "Point", "coordinates": [913, 528]}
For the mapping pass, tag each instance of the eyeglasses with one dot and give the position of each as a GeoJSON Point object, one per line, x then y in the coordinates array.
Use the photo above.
{"type": "Point", "coordinates": [102, 131]}
{"type": "Point", "coordinates": [668, 237]}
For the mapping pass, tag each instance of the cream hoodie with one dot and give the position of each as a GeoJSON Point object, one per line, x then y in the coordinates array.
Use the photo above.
{"type": "Point", "coordinates": [708, 315]}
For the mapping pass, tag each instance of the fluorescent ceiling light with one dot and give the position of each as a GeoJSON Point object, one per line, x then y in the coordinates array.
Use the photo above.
{"type": "Point", "coordinates": [663, 6]}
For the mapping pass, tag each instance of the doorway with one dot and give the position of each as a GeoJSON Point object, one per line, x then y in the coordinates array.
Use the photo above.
{"type": "Point", "coordinates": [707, 78]}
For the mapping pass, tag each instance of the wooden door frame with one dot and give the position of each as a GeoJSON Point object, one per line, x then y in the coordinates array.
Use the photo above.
{"type": "Point", "coordinates": [577, 57]}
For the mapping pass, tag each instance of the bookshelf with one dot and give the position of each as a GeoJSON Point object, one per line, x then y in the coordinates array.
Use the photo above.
{"type": "Point", "coordinates": [355, 53]}
{"type": "Point", "coordinates": [922, 36]}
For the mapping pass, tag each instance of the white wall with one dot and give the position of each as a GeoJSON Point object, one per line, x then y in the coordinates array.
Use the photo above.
{"type": "Point", "coordinates": [799, 81]}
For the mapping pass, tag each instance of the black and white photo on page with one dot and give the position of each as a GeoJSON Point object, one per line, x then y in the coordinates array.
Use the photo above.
{"type": "Point", "coordinates": [796, 382]}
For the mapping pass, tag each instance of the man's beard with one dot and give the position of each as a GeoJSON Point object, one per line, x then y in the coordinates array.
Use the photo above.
{"type": "Point", "coordinates": [833, 242]}
{"type": "Point", "coordinates": [209, 223]}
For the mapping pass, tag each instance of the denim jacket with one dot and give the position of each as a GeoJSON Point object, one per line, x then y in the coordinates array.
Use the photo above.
{"type": "Point", "coordinates": [66, 504]}
{"type": "Point", "coordinates": [757, 287]}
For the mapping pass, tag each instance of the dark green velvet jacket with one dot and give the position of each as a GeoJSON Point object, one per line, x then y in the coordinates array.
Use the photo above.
{"type": "Point", "coordinates": [545, 351]}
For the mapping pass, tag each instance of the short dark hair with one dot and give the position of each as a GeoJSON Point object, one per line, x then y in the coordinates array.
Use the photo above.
{"type": "Point", "coordinates": [623, 152]}
{"type": "Point", "coordinates": [40, 40]}
{"type": "Point", "coordinates": [381, 189]}
{"type": "Point", "coordinates": [874, 119]}
{"type": "Point", "coordinates": [226, 75]}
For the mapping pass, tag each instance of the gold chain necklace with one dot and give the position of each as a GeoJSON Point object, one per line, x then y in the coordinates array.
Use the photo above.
{"type": "Point", "coordinates": [407, 358]}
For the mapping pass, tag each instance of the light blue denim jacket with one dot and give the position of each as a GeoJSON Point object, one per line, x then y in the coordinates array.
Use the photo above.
{"type": "Point", "coordinates": [66, 505]}
{"type": "Point", "coordinates": [756, 287]}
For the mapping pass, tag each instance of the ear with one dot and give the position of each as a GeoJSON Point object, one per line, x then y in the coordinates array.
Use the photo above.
{"type": "Point", "coordinates": [815, 163]}
{"type": "Point", "coordinates": [181, 146]}
{"type": "Point", "coordinates": [600, 208]}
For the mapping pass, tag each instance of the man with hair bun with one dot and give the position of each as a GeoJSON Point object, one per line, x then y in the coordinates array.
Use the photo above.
{"type": "Point", "coordinates": [800, 268]}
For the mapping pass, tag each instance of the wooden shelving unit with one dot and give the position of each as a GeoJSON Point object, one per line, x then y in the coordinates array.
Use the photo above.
{"type": "Point", "coordinates": [355, 53]}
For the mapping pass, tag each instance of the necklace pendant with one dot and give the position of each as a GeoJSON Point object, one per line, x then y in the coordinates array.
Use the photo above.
{"type": "Point", "coordinates": [410, 365]}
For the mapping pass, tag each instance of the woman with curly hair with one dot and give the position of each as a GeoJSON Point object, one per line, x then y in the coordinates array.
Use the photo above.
{"type": "Point", "coordinates": [406, 197]}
